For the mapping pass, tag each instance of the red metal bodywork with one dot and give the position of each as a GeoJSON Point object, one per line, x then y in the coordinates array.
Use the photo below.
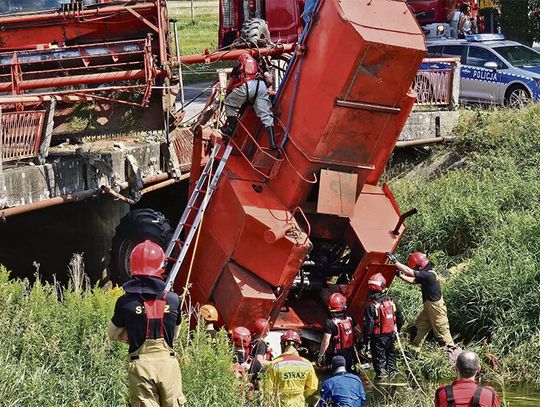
{"type": "Point", "coordinates": [340, 108]}
{"type": "Point", "coordinates": [87, 48]}
{"type": "Point", "coordinates": [433, 11]}
{"type": "Point", "coordinates": [439, 11]}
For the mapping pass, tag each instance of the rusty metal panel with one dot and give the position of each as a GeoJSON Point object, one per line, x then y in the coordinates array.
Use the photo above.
{"type": "Point", "coordinates": [337, 193]}
{"type": "Point", "coordinates": [242, 297]}
{"type": "Point", "coordinates": [21, 134]}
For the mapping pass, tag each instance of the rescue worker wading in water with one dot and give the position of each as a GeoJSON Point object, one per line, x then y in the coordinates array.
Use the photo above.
{"type": "Point", "coordinates": [382, 320]}
{"type": "Point", "coordinates": [434, 315]}
{"type": "Point", "coordinates": [147, 317]}
{"type": "Point", "coordinates": [247, 85]}
{"type": "Point", "coordinates": [339, 332]}
{"type": "Point", "coordinates": [291, 378]}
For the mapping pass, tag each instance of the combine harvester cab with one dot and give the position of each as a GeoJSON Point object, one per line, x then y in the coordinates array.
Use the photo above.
{"type": "Point", "coordinates": [284, 231]}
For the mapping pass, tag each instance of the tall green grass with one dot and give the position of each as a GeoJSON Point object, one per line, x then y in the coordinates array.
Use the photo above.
{"type": "Point", "coordinates": [55, 352]}
{"type": "Point", "coordinates": [481, 222]}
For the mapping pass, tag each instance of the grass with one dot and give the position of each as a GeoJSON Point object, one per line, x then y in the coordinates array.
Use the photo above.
{"type": "Point", "coordinates": [480, 222]}
{"type": "Point", "coordinates": [197, 36]}
{"type": "Point", "coordinates": [55, 351]}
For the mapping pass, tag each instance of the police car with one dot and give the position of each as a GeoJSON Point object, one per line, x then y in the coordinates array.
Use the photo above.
{"type": "Point", "coordinates": [493, 70]}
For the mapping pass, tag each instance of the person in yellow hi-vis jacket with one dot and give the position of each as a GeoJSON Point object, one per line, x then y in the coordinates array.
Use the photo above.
{"type": "Point", "coordinates": [291, 378]}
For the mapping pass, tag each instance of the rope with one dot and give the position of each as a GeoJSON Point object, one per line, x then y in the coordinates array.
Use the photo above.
{"type": "Point", "coordinates": [314, 181]}
{"type": "Point", "coordinates": [186, 287]}
{"type": "Point", "coordinates": [407, 364]}
{"type": "Point", "coordinates": [366, 376]}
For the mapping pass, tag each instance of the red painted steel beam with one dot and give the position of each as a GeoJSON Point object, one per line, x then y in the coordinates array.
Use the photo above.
{"type": "Point", "coordinates": [235, 53]}
{"type": "Point", "coordinates": [98, 12]}
{"type": "Point", "coordinates": [76, 80]}
{"type": "Point", "coordinates": [44, 98]}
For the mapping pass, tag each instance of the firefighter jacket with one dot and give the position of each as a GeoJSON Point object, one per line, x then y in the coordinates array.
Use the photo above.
{"type": "Point", "coordinates": [377, 314]}
{"type": "Point", "coordinates": [291, 378]}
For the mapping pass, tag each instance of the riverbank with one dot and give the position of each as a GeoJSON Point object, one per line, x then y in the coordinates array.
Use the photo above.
{"type": "Point", "coordinates": [478, 209]}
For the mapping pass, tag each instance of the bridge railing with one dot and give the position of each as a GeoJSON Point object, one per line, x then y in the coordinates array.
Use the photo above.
{"type": "Point", "coordinates": [437, 83]}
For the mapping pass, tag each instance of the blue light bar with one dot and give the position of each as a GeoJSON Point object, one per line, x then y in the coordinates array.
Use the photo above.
{"type": "Point", "coordinates": [484, 37]}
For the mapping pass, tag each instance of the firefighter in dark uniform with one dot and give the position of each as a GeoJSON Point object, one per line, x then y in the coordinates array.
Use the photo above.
{"type": "Point", "coordinates": [243, 362]}
{"type": "Point", "coordinates": [260, 351]}
{"type": "Point", "coordinates": [147, 317]}
{"type": "Point", "coordinates": [382, 320]}
{"type": "Point", "coordinates": [434, 315]}
{"type": "Point", "coordinates": [248, 84]}
{"type": "Point", "coordinates": [339, 332]}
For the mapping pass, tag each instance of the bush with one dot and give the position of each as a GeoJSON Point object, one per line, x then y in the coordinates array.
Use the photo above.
{"type": "Point", "coordinates": [483, 218]}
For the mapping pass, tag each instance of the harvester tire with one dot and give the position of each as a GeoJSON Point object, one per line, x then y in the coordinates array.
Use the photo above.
{"type": "Point", "coordinates": [135, 227]}
{"type": "Point", "coordinates": [255, 31]}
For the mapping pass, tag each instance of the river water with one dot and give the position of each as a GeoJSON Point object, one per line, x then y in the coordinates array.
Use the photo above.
{"type": "Point", "coordinates": [518, 396]}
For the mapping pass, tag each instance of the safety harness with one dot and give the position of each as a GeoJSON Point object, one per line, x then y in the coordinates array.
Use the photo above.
{"type": "Point", "coordinates": [345, 334]}
{"type": "Point", "coordinates": [155, 311]}
{"type": "Point", "coordinates": [475, 400]}
{"type": "Point", "coordinates": [385, 317]}
{"type": "Point", "coordinates": [255, 347]}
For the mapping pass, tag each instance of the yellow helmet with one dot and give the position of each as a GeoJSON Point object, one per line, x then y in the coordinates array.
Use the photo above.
{"type": "Point", "coordinates": [209, 313]}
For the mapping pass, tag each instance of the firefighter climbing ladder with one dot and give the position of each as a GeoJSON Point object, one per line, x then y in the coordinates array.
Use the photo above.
{"type": "Point", "coordinates": [191, 207]}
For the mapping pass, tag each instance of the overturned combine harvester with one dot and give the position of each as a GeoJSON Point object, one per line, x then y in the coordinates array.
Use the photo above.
{"type": "Point", "coordinates": [283, 231]}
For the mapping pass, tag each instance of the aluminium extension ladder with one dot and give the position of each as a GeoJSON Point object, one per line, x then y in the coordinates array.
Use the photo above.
{"type": "Point", "coordinates": [200, 197]}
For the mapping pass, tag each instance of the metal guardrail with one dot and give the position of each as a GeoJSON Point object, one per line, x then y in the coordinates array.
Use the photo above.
{"type": "Point", "coordinates": [21, 134]}
{"type": "Point", "coordinates": [437, 82]}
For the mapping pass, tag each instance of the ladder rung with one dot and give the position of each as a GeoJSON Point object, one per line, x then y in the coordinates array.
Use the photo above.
{"type": "Point", "coordinates": [179, 242]}
{"type": "Point", "coordinates": [171, 259]}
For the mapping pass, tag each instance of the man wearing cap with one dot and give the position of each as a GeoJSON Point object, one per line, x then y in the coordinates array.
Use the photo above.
{"type": "Point", "coordinates": [434, 315]}
{"type": "Point", "coordinates": [342, 389]}
{"type": "Point", "coordinates": [147, 317]}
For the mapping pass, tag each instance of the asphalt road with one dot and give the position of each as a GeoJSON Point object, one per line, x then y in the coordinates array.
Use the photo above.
{"type": "Point", "coordinates": [197, 94]}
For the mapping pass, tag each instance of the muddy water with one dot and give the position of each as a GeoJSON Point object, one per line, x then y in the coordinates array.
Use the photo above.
{"type": "Point", "coordinates": [521, 397]}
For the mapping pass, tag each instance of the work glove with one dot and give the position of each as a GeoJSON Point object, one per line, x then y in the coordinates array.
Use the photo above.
{"type": "Point", "coordinates": [392, 257]}
{"type": "Point", "coordinates": [320, 359]}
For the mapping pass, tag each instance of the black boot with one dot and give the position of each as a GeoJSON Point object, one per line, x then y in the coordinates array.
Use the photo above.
{"type": "Point", "coordinates": [271, 134]}
{"type": "Point", "coordinates": [230, 127]}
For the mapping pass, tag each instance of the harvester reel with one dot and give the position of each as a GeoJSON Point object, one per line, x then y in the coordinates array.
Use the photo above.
{"type": "Point", "coordinates": [135, 227]}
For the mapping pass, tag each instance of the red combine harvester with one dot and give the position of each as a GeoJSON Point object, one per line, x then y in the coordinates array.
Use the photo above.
{"type": "Point", "coordinates": [282, 232]}
{"type": "Point", "coordinates": [73, 51]}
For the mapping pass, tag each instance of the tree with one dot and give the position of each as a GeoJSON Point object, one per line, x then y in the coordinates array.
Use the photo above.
{"type": "Point", "coordinates": [520, 20]}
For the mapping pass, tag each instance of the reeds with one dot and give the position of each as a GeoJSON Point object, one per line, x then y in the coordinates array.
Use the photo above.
{"type": "Point", "coordinates": [482, 222]}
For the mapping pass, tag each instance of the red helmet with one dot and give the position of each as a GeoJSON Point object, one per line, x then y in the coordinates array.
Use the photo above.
{"type": "Point", "coordinates": [262, 326]}
{"type": "Point", "coordinates": [376, 282]}
{"type": "Point", "coordinates": [291, 336]}
{"type": "Point", "coordinates": [241, 336]}
{"type": "Point", "coordinates": [337, 302]}
{"type": "Point", "coordinates": [147, 260]}
{"type": "Point", "coordinates": [417, 261]}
